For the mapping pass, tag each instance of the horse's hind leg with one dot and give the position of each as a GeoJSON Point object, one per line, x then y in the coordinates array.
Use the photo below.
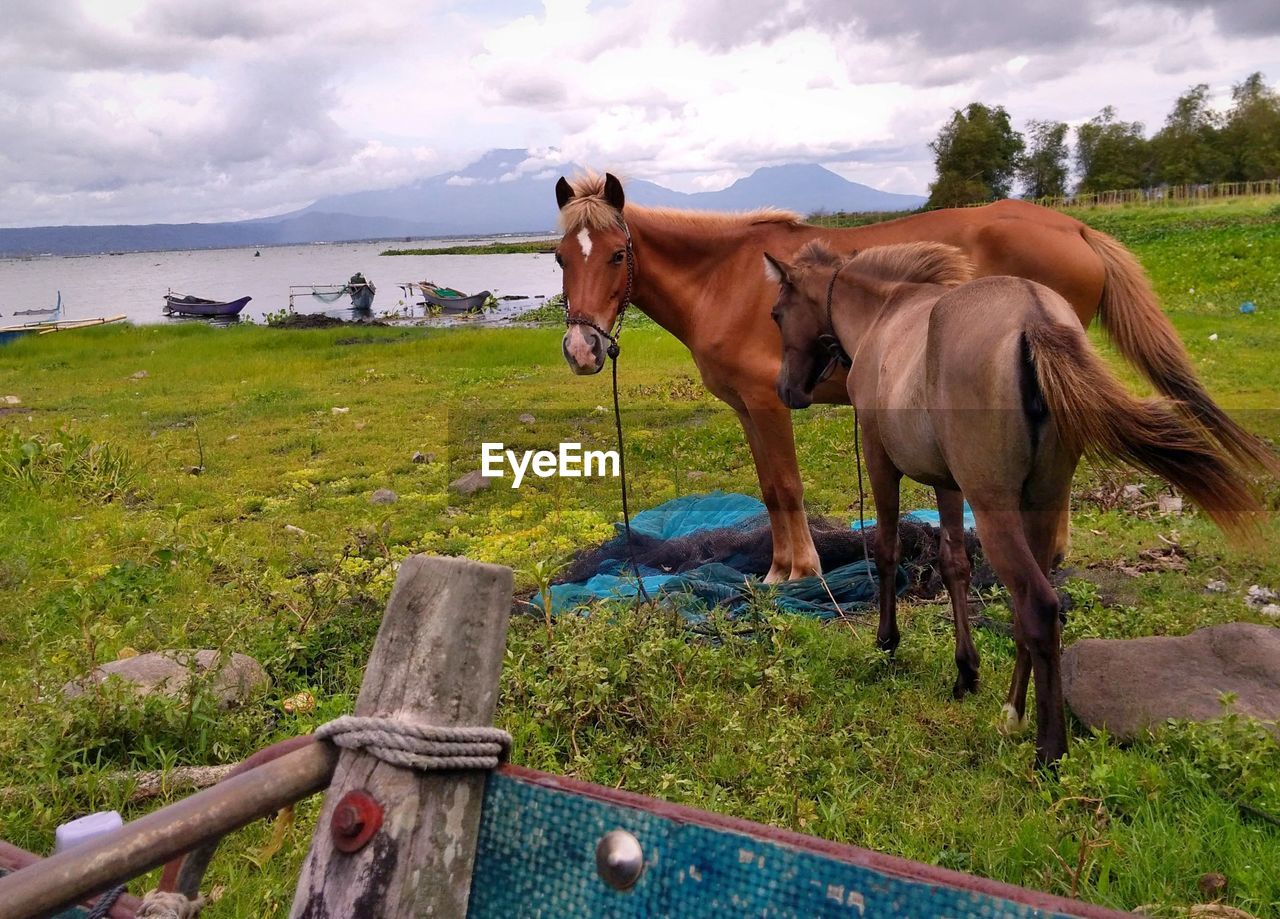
{"type": "Point", "coordinates": [1036, 626]}
{"type": "Point", "coordinates": [1047, 536]}
{"type": "Point", "coordinates": [954, 562]}
{"type": "Point", "coordinates": [885, 480]}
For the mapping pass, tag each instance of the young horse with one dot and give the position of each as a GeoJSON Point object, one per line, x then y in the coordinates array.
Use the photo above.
{"type": "Point", "coordinates": [988, 388]}
{"type": "Point", "coordinates": [697, 275]}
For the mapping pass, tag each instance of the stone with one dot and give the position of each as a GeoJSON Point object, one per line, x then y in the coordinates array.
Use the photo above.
{"type": "Point", "coordinates": [384, 496]}
{"type": "Point", "coordinates": [233, 678]}
{"type": "Point", "coordinates": [1258, 597]}
{"type": "Point", "coordinates": [1216, 587]}
{"type": "Point", "coordinates": [1169, 504]}
{"type": "Point", "coordinates": [1130, 685]}
{"type": "Point", "coordinates": [12, 400]}
{"type": "Point", "coordinates": [296, 531]}
{"type": "Point", "coordinates": [419, 457]}
{"type": "Point", "coordinates": [526, 418]}
{"type": "Point", "coordinates": [470, 483]}
{"type": "Point", "coordinates": [1271, 611]}
{"type": "Point", "coordinates": [339, 410]}
{"type": "Point", "coordinates": [140, 375]}
{"type": "Point", "coordinates": [1212, 885]}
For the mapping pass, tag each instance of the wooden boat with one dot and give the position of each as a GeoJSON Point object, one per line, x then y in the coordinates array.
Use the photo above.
{"type": "Point", "coordinates": [361, 291]}
{"type": "Point", "coordinates": [14, 332]}
{"type": "Point", "coordinates": [447, 300]}
{"type": "Point", "coordinates": [44, 311]}
{"type": "Point", "coordinates": [199, 306]}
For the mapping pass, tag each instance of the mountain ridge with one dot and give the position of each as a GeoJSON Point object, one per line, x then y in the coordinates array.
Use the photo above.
{"type": "Point", "coordinates": [499, 193]}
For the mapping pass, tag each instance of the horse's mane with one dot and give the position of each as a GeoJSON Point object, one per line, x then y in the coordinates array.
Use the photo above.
{"type": "Point", "coordinates": [914, 262]}
{"type": "Point", "coordinates": [588, 209]}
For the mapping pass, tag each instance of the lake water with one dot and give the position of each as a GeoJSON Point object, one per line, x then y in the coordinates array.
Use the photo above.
{"type": "Point", "coordinates": [134, 284]}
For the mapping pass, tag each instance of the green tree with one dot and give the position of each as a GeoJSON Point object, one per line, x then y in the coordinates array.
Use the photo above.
{"type": "Point", "coordinates": [1189, 148]}
{"type": "Point", "coordinates": [1252, 132]}
{"type": "Point", "coordinates": [1043, 169]}
{"type": "Point", "coordinates": [976, 154]}
{"type": "Point", "coordinates": [1112, 154]}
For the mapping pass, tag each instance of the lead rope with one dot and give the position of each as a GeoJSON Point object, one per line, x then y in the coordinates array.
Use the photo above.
{"type": "Point", "coordinates": [857, 430]}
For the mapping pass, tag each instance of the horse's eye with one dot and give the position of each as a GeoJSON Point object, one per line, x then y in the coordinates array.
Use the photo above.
{"type": "Point", "coordinates": [618, 257]}
{"type": "Point", "coordinates": [559, 260]}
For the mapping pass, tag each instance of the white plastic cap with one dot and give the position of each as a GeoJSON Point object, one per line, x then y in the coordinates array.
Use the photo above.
{"type": "Point", "coordinates": [85, 828]}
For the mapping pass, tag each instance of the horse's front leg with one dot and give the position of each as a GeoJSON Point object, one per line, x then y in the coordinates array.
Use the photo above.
{"type": "Point", "coordinates": [954, 562]}
{"type": "Point", "coordinates": [885, 481]}
{"type": "Point", "coordinates": [773, 447]}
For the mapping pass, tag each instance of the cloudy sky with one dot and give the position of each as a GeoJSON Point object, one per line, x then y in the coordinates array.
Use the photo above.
{"type": "Point", "coordinates": [135, 111]}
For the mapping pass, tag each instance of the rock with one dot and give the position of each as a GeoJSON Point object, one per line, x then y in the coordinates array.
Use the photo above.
{"type": "Point", "coordinates": [339, 410]}
{"type": "Point", "coordinates": [526, 418]}
{"type": "Point", "coordinates": [232, 437]}
{"type": "Point", "coordinates": [233, 678]}
{"type": "Point", "coordinates": [1129, 685]}
{"type": "Point", "coordinates": [419, 457]}
{"type": "Point", "coordinates": [12, 400]}
{"type": "Point", "coordinates": [1271, 611]}
{"type": "Point", "coordinates": [1258, 597]}
{"type": "Point", "coordinates": [1212, 885]}
{"type": "Point", "coordinates": [296, 531]}
{"type": "Point", "coordinates": [1216, 587]}
{"type": "Point", "coordinates": [384, 496]}
{"type": "Point", "coordinates": [470, 483]}
{"type": "Point", "coordinates": [140, 375]}
{"type": "Point", "coordinates": [195, 470]}
{"type": "Point", "coordinates": [1169, 504]}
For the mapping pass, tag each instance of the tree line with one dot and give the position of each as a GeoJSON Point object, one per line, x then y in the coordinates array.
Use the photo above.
{"type": "Point", "coordinates": [979, 155]}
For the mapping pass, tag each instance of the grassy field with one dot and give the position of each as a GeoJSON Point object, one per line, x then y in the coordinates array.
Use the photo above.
{"type": "Point", "coordinates": [110, 545]}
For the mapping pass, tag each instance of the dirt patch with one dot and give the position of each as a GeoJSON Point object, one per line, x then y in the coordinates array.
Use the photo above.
{"type": "Point", "coordinates": [371, 341]}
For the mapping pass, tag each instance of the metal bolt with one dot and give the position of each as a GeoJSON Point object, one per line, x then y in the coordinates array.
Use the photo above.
{"type": "Point", "coordinates": [356, 818]}
{"type": "Point", "coordinates": [619, 859]}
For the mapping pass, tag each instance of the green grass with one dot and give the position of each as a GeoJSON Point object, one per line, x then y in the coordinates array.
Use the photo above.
{"type": "Point", "coordinates": [540, 246]}
{"type": "Point", "coordinates": [108, 545]}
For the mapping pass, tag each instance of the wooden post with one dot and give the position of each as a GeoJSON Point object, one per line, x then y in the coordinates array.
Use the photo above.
{"type": "Point", "coordinates": [437, 658]}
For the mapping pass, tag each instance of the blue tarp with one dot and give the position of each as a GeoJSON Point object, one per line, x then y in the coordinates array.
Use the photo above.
{"type": "Point", "coordinates": [924, 515]}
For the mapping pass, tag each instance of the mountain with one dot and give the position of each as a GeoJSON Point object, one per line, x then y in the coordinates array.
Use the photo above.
{"type": "Point", "coordinates": [491, 195]}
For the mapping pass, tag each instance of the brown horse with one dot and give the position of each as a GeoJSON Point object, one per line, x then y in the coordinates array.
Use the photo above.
{"type": "Point", "coordinates": [697, 275]}
{"type": "Point", "coordinates": [988, 389]}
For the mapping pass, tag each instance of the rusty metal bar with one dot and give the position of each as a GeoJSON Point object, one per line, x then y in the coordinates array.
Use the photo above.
{"type": "Point", "coordinates": [62, 880]}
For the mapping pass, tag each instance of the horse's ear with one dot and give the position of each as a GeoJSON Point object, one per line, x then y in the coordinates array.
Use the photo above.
{"type": "Point", "coordinates": [775, 271]}
{"type": "Point", "coordinates": [564, 192]}
{"type": "Point", "coordinates": [613, 191]}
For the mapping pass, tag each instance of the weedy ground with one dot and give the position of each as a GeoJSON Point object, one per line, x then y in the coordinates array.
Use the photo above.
{"type": "Point", "coordinates": [110, 543]}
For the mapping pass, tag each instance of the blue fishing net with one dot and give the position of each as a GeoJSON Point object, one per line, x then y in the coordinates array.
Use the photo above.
{"type": "Point", "coordinates": [698, 552]}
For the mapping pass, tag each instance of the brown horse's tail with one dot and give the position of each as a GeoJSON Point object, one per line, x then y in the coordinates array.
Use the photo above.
{"type": "Point", "coordinates": [1132, 317]}
{"type": "Point", "coordinates": [1094, 413]}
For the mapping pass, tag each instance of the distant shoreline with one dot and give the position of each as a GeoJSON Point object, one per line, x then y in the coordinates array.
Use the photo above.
{"type": "Point", "coordinates": [536, 246]}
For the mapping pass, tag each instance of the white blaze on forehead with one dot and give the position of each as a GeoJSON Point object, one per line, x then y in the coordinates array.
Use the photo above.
{"type": "Point", "coordinates": [584, 240]}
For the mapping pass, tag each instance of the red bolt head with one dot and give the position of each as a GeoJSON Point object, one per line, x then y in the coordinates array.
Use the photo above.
{"type": "Point", "coordinates": [356, 818]}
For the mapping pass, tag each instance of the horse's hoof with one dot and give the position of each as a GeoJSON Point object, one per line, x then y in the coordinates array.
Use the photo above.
{"type": "Point", "coordinates": [963, 686]}
{"type": "Point", "coordinates": [775, 576]}
{"type": "Point", "coordinates": [1009, 722]}
{"type": "Point", "coordinates": [888, 645]}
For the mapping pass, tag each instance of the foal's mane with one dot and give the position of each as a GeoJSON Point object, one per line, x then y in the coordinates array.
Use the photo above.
{"type": "Point", "coordinates": [588, 209]}
{"type": "Point", "coordinates": [914, 262]}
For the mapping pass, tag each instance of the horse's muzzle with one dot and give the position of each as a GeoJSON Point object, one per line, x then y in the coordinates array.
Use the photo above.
{"type": "Point", "coordinates": [793, 397]}
{"type": "Point", "coordinates": [584, 350]}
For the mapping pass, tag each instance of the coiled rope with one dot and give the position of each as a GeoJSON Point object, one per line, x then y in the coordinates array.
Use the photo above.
{"type": "Point", "coordinates": [415, 745]}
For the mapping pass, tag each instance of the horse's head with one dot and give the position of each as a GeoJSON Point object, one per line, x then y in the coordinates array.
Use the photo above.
{"type": "Point", "coordinates": [594, 255]}
{"type": "Point", "coordinates": [809, 351]}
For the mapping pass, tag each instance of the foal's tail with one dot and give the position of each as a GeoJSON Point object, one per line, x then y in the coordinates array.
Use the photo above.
{"type": "Point", "coordinates": [1095, 414]}
{"type": "Point", "coordinates": [1131, 316]}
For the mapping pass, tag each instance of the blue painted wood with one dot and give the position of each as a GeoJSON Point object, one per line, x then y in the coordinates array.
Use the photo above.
{"type": "Point", "coordinates": [536, 857]}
